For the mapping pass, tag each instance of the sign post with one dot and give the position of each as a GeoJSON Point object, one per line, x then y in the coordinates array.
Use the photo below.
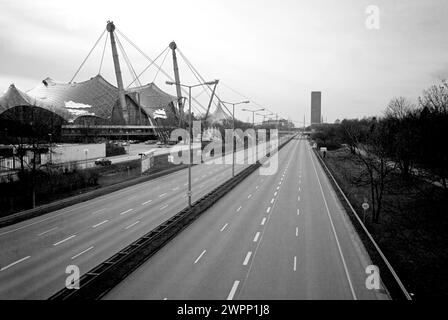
{"type": "Point", "coordinates": [365, 207]}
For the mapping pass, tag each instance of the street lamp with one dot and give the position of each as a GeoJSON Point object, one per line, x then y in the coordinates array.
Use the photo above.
{"type": "Point", "coordinates": [253, 125]}
{"type": "Point", "coordinates": [233, 131]}
{"type": "Point", "coordinates": [253, 114]}
{"type": "Point", "coordinates": [191, 127]}
{"type": "Point", "coordinates": [51, 158]}
{"type": "Point", "coordinates": [265, 115]}
{"type": "Point", "coordinates": [86, 151]}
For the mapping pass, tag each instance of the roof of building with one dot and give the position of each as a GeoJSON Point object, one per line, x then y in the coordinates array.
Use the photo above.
{"type": "Point", "coordinates": [152, 98]}
{"type": "Point", "coordinates": [93, 97]}
{"type": "Point", "coordinates": [14, 97]}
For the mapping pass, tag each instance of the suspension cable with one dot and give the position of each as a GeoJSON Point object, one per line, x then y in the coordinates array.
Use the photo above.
{"type": "Point", "coordinates": [104, 50]}
{"type": "Point", "coordinates": [128, 61]}
{"type": "Point", "coordinates": [201, 79]}
{"type": "Point", "coordinates": [88, 55]}
{"type": "Point", "coordinates": [163, 61]}
{"type": "Point", "coordinates": [144, 70]}
{"type": "Point", "coordinates": [161, 70]}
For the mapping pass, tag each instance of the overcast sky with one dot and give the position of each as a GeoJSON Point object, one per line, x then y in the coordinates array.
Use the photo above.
{"type": "Point", "coordinates": [275, 52]}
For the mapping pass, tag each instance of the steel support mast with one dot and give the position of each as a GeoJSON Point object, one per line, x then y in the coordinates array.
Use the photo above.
{"type": "Point", "coordinates": [173, 48]}
{"type": "Point", "coordinates": [111, 28]}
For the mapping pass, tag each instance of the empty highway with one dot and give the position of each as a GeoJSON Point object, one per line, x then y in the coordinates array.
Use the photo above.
{"type": "Point", "coordinates": [283, 236]}
{"type": "Point", "coordinates": [35, 253]}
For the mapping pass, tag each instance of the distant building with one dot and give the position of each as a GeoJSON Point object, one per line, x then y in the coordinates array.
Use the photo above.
{"type": "Point", "coordinates": [280, 123]}
{"type": "Point", "coordinates": [316, 116]}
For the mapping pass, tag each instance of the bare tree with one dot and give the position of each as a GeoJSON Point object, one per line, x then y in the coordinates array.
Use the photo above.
{"type": "Point", "coordinates": [370, 154]}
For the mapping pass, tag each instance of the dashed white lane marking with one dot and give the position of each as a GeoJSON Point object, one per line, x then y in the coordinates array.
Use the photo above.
{"type": "Point", "coordinates": [162, 195]}
{"type": "Point", "coordinates": [124, 212]}
{"type": "Point", "coordinates": [164, 207]}
{"type": "Point", "coordinates": [275, 193]}
{"type": "Point", "coordinates": [263, 221]}
{"type": "Point", "coordinates": [249, 196]}
{"type": "Point", "coordinates": [246, 260]}
{"type": "Point", "coordinates": [299, 188]}
{"type": "Point", "coordinates": [98, 211]}
{"type": "Point", "coordinates": [177, 188]}
{"type": "Point", "coordinates": [82, 252]}
{"type": "Point", "coordinates": [233, 290]}
{"type": "Point", "coordinates": [64, 240]}
{"type": "Point", "coordinates": [165, 298]}
{"type": "Point", "coordinates": [146, 202]}
{"type": "Point", "coordinates": [278, 188]}
{"type": "Point", "coordinates": [14, 263]}
{"type": "Point", "coordinates": [40, 221]}
{"type": "Point", "coordinates": [131, 225]}
{"type": "Point", "coordinates": [268, 210]}
{"type": "Point", "coordinates": [224, 227]}
{"type": "Point", "coordinates": [257, 235]}
{"type": "Point", "coordinates": [200, 256]}
{"type": "Point", "coordinates": [45, 232]}
{"type": "Point", "coordinates": [298, 212]}
{"type": "Point", "coordinates": [256, 188]}
{"type": "Point", "coordinates": [295, 263]}
{"type": "Point", "coordinates": [298, 198]}
{"type": "Point", "coordinates": [272, 200]}
{"type": "Point", "coordinates": [238, 210]}
{"type": "Point", "coordinates": [99, 224]}
{"type": "Point", "coordinates": [297, 231]}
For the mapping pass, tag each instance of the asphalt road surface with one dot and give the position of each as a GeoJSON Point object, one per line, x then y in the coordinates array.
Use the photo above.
{"type": "Point", "coordinates": [284, 236]}
{"type": "Point", "coordinates": [35, 253]}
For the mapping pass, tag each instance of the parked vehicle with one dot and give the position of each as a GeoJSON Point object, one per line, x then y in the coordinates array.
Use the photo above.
{"type": "Point", "coordinates": [103, 162]}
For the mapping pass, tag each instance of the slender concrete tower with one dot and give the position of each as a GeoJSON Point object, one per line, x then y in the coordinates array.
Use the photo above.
{"type": "Point", "coordinates": [111, 28]}
{"type": "Point", "coordinates": [316, 117]}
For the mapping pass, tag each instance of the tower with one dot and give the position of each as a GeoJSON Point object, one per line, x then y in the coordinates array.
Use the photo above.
{"type": "Point", "coordinates": [111, 28]}
{"type": "Point", "coordinates": [173, 48]}
{"type": "Point", "coordinates": [316, 117]}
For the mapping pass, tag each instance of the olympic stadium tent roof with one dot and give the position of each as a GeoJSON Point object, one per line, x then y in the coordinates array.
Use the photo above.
{"type": "Point", "coordinates": [152, 97]}
{"type": "Point", "coordinates": [94, 97]}
{"type": "Point", "coordinates": [14, 97]}
{"type": "Point", "coordinates": [218, 116]}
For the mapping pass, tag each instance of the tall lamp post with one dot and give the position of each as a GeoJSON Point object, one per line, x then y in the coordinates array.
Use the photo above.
{"type": "Point", "coordinates": [253, 125]}
{"type": "Point", "coordinates": [265, 115]}
{"type": "Point", "coordinates": [190, 128]}
{"type": "Point", "coordinates": [51, 158]}
{"type": "Point", "coordinates": [253, 114]}
{"type": "Point", "coordinates": [233, 131]}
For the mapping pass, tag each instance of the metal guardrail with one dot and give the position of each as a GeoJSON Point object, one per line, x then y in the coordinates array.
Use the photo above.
{"type": "Point", "coordinates": [102, 278]}
{"type": "Point", "coordinates": [383, 257]}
